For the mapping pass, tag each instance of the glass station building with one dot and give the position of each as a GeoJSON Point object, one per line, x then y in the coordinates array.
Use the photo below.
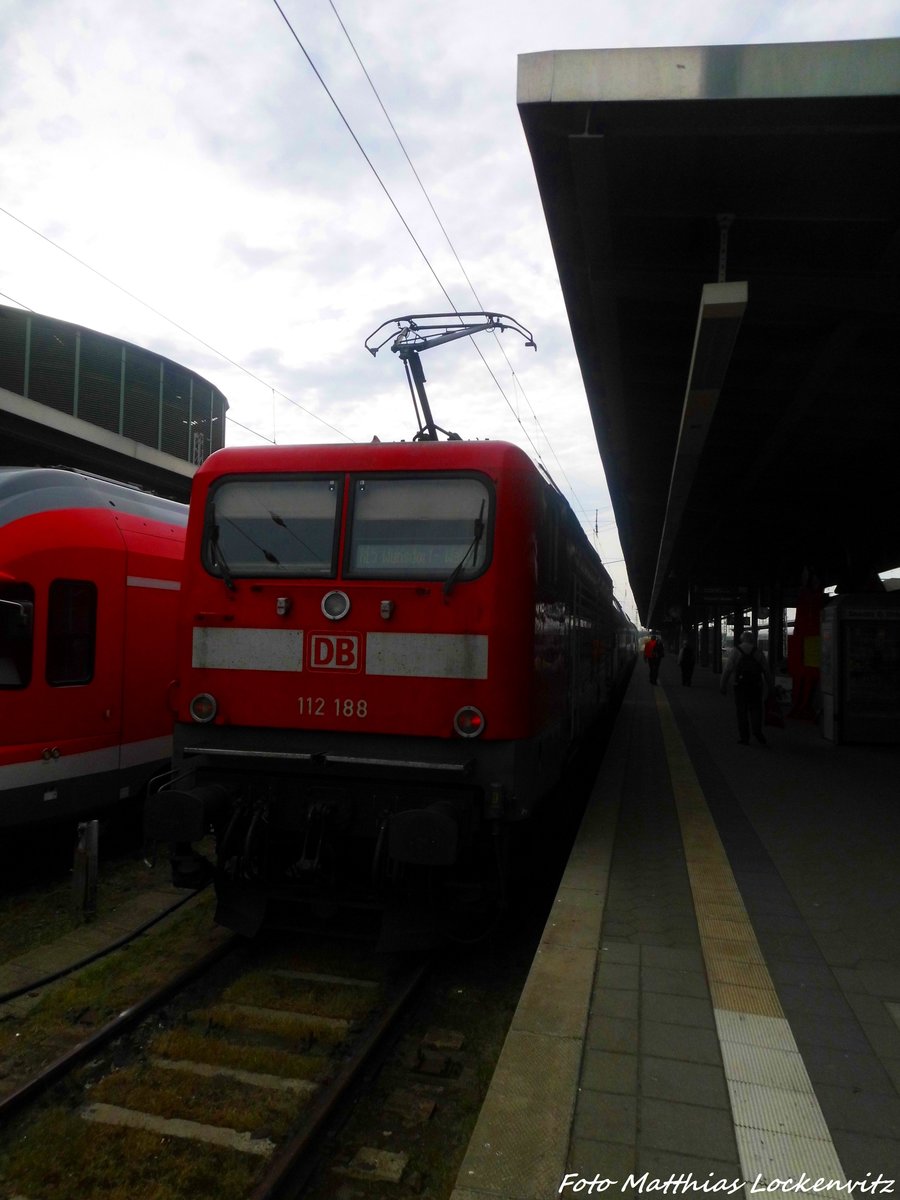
{"type": "Point", "coordinates": [111, 384]}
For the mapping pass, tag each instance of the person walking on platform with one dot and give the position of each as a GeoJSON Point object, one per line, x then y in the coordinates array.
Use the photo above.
{"type": "Point", "coordinates": [654, 652]}
{"type": "Point", "coordinates": [686, 659]}
{"type": "Point", "coordinates": [752, 679]}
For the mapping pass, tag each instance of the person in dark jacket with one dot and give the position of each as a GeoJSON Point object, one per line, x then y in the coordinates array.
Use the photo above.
{"type": "Point", "coordinates": [686, 660]}
{"type": "Point", "coordinates": [752, 681]}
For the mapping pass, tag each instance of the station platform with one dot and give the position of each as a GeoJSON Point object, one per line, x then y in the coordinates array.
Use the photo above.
{"type": "Point", "coordinates": [715, 1004]}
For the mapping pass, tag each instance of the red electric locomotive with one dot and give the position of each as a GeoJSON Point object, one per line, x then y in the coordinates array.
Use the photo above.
{"type": "Point", "coordinates": [385, 654]}
{"type": "Point", "coordinates": [89, 579]}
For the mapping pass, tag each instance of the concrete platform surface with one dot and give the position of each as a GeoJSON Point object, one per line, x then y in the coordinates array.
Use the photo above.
{"type": "Point", "coordinates": [715, 1005]}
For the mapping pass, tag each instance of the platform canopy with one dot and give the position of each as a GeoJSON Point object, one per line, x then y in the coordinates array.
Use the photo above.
{"type": "Point", "coordinates": [725, 225]}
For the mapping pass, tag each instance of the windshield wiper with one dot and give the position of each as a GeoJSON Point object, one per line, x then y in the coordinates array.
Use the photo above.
{"type": "Point", "coordinates": [264, 551]}
{"type": "Point", "coordinates": [282, 524]}
{"type": "Point", "coordinates": [473, 550]}
{"type": "Point", "coordinates": [220, 559]}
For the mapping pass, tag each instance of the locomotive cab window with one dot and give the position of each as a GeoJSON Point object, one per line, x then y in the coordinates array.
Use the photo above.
{"type": "Point", "coordinates": [272, 526]}
{"type": "Point", "coordinates": [422, 528]}
{"type": "Point", "coordinates": [71, 632]}
{"type": "Point", "coordinates": [16, 634]}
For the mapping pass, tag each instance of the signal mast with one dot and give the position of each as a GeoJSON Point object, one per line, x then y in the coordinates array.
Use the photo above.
{"type": "Point", "coordinates": [412, 337]}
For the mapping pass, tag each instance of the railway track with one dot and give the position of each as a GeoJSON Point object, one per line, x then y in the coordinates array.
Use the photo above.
{"type": "Point", "coordinates": [232, 1083]}
{"type": "Point", "coordinates": [217, 1085]}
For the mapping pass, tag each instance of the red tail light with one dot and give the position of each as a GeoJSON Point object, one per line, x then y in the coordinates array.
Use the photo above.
{"type": "Point", "coordinates": [469, 722]}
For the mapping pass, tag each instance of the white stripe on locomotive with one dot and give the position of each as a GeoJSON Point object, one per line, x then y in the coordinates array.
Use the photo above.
{"type": "Point", "coordinates": [413, 655]}
{"type": "Point", "coordinates": [166, 585]}
{"type": "Point", "coordinates": [428, 655]}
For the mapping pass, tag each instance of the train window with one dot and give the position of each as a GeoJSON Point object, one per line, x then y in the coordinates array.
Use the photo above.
{"type": "Point", "coordinates": [551, 570]}
{"type": "Point", "coordinates": [422, 528]}
{"type": "Point", "coordinates": [273, 526]}
{"type": "Point", "coordinates": [16, 634]}
{"type": "Point", "coordinates": [71, 632]}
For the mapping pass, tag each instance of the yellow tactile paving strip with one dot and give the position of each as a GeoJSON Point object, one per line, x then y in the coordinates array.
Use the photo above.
{"type": "Point", "coordinates": [780, 1131]}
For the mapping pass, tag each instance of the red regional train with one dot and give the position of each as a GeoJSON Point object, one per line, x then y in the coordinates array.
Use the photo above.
{"type": "Point", "coordinates": [385, 654]}
{"type": "Point", "coordinates": [89, 580]}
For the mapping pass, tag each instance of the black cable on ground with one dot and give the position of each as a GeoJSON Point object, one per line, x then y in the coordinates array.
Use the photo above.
{"type": "Point", "coordinates": [36, 984]}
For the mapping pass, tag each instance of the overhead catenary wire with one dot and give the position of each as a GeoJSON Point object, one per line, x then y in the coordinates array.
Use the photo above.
{"type": "Point", "coordinates": [195, 337]}
{"type": "Point", "coordinates": [396, 209]}
{"type": "Point", "coordinates": [453, 250]}
{"type": "Point", "coordinates": [12, 300]}
{"type": "Point", "coordinates": [361, 148]}
{"type": "Point", "coordinates": [406, 156]}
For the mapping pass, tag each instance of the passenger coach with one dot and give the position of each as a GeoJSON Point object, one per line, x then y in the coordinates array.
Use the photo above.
{"type": "Point", "coordinates": [89, 579]}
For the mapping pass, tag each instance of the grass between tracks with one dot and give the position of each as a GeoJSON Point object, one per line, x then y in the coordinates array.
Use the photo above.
{"type": "Point", "coordinates": [61, 1157]}
{"type": "Point", "coordinates": [39, 915]}
{"type": "Point", "coordinates": [55, 1154]}
{"type": "Point", "coordinates": [186, 1044]}
{"type": "Point", "coordinates": [58, 1156]}
{"type": "Point", "coordinates": [220, 1101]}
{"type": "Point", "coordinates": [71, 1009]}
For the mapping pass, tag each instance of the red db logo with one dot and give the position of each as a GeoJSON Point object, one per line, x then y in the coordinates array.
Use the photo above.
{"type": "Point", "coordinates": [334, 652]}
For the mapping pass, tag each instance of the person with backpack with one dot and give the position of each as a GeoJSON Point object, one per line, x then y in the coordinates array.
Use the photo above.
{"type": "Point", "coordinates": [752, 680]}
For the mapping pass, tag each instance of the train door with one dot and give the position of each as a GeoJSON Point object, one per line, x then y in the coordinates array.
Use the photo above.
{"type": "Point", "coordinates": [152, 578]}
{"type": "Point", "coordinates": [76, 689]}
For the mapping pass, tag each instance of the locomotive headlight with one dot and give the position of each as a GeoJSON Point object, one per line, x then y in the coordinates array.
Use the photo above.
{"type": "Point", "coordinates": [203, 708]}
{"type": "Point", "coordinates": [335, 605]}
{"type": "Point", "coordinates": [469, 722]}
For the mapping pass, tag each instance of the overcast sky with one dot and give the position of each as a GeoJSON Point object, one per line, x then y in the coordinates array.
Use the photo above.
{"type": "Point", "coordinates": [189, 154]}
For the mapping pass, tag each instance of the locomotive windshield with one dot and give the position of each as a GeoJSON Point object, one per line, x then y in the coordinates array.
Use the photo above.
{"type": "Point", "coordinates": [273, 527]}
{"type": "Point", "coordinates": [421, 528]}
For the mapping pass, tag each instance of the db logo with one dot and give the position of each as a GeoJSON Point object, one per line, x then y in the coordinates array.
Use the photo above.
{"type": "Point", "coordinates": [334, 652]}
